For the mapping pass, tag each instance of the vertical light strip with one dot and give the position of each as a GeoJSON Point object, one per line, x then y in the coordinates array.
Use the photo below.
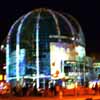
{"type": "Point", "coordinates": [67, 21]}
{"type": "Point", "coordinates": [59, 34]}
{"type": "Point", "coordinates": [18, 51]}
{"type": "Point", "coordinates": [62, 67]}
{"type": "Point", "coordinates": [8, 51]}
{"type": "Point", "coordinates": [17, 60]}
{"type": "Point", "coordinates": [18, 46]}
{"type": "Point", "coordinates": [7, 62]}
{"type": "Point", "coordinates": [56, 22]}
{"type": "Point", "coordinates": [37, 49]}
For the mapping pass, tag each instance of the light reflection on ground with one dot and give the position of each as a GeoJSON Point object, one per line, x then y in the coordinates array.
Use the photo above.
{"type": "Point", "coordinates": [88, 97]}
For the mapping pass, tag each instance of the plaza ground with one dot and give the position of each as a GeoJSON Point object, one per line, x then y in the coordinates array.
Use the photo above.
{"type": "Point", "coordinates": [88, 97]}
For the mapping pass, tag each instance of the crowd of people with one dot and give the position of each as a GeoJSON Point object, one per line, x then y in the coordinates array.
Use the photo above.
{"type": "Point", "coordinates": [31, 90]}
{"type": "Point", "coordinates": [96, 88]}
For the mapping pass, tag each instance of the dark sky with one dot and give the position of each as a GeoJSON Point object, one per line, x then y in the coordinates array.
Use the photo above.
{"type": "Point", "coordinates": [85, 11]}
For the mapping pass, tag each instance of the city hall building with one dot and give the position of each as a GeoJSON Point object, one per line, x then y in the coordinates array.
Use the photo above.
{"type": "Point", "coordinates": [44, 45]}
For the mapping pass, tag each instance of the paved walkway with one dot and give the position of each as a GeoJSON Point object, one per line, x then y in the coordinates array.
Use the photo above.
{"type": "Point", "coordinates": [97, 97]}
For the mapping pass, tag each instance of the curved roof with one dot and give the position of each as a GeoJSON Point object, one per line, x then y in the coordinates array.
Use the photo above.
{"type": "Point", "coordinates": [50, 22]}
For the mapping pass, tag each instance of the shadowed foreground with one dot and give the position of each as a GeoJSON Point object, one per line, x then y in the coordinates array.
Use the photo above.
{"type": "Point", "coordinates": [89, 97]}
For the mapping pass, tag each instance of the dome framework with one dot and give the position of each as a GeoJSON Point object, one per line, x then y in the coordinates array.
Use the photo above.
{"type": "Point", "coordinates": [33, 36]}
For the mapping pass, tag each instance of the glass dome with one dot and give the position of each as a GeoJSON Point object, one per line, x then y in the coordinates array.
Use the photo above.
{"type": "Point", "coordinates": [33, 36]}
{"type": "Point", "coordinates": [50, 22]}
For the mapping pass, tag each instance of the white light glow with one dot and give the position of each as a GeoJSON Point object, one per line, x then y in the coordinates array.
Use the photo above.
{"type": "Point", "coordinates": [2, 47]}
{"type": "Point", "coordinates": [7, 62]}
{"type": "Point", "coordinates": [81, 51]}
{"type": "Point", "coordinates": [37, 49]}
{"type": "Point", "coordinates": [57, 55]}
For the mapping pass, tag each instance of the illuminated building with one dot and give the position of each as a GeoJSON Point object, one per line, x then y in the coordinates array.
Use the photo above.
{"type": "Point", "coordinates": [96, 67]}
{"type": "Point", "coordinates": [40, 42]}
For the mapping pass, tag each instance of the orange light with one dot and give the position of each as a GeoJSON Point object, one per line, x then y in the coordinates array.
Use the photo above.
{"type": "Point", "coordinates": [4, 77]}
{"type": "Point", "coordinates": [57, 72]}
{"type": "Point", "coordinates": [54, 75]}
{"type": "Point", "coordinates": [53, 64]}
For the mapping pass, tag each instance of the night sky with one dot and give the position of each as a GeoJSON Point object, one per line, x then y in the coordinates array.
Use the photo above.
{"type": "Point", "coordinates": [85, 11]}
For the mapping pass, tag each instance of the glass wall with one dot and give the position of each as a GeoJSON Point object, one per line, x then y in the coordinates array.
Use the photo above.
{"type": "Point", "coordinates": [39, 42]}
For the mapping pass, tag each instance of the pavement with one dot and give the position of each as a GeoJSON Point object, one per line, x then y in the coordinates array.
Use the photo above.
{"type": "Point", "coordinates": [88, 97]}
